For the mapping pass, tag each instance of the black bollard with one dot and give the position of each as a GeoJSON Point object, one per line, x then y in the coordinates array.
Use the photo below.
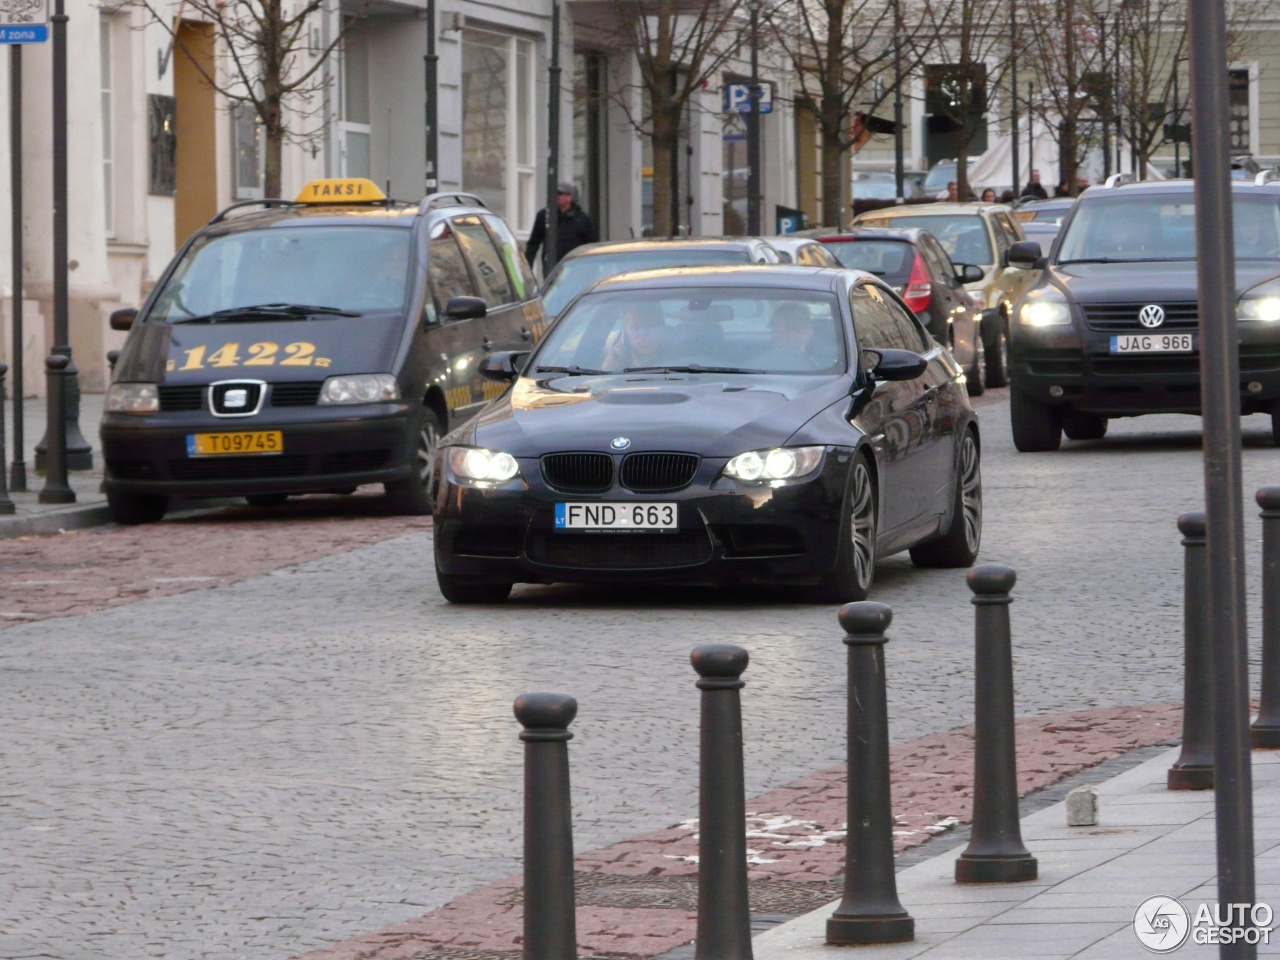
{"type": "Point", "coordinates": [550, 930]}
{"type": "Point", "coordinates": [869, 911]}
{"type": "Point", "coordinates": [1193, 770]}
{"type": "Point", "coordinates": [112, 357]}
{"type": "Point", "coordinates": [56, 488]}
{"type": "Point", "coordinates": [724, 913]}
{"type": "Point", "coordinates": [6, 505]}
{"type": "Point", "coordinates": [1266, 729]}
{"type": "Point", "coordinates": [995, 853]}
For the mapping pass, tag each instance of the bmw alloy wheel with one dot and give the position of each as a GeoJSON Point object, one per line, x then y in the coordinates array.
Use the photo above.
{"type": "Point", "coordinates": [862, 524]}
{"type": "Point", "coordinates": [971, 492]}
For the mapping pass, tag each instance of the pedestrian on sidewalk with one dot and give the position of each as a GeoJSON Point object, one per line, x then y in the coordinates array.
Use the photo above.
{"type": "Point", "coordinates": [574, 226]}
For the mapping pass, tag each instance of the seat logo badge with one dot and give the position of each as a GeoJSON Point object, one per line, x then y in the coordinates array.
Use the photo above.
{"type": "Point", "coordinates": [620, 443]}
{"type": "Point", "coordinates": [1152, 315]}
{"type": "Point", "coordinates": [235, 398]}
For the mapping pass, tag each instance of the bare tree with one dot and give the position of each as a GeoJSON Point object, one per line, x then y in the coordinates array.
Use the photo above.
{"type": "Point", "coordinates": [839, 49]}
{"type": "Point", "coordinates": [262, 61]}
{"type": "Point", "coordinates": [680, 46]}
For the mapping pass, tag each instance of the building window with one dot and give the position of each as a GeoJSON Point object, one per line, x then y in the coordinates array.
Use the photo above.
{"type": "Point", "coordinates": [356, 129]}
{"type": "Point", "coordinates": [162, 152]}
{"type": "Point", "coordinates": [106, 65]}
{"type": "Point", "coordinates": [1238, 109]}
{"type": "Point", "coordinates": [247, 139]}
{"type": "Point", "coordinates": [499, 130]}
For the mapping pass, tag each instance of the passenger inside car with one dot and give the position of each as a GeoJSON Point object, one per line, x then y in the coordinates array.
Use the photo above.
{"type": "Point", "coordinates": [798, 340]}
{"type": "Point", "coordinates": [642, 340]}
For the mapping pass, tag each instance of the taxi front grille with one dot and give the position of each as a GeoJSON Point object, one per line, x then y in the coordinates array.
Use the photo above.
{"type": "Point", "coordinates": [270, 467]}
{"type": "Point", "coordinates": [1124, 316]}
{"type": "Point", "coordinates": [578, 472]}
{"type": "Point", "coordinates": [653, 472]}
{"type": "Point", "coordinates": [304, 394]}
{"type": "Point", "coordinates": [620, 551]}
{"type": "Point", "coordinates": [185, 396]}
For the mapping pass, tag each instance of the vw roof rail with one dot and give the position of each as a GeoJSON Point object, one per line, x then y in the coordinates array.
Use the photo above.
{"type": "Point", "coordinates": [452, 198]}
{"type": "Point", "coordinates": [1119, 180]}
{"type": "Point", "coordinates": [269, 202]}
{"type": "Point", "coordinates": [1266, 176]}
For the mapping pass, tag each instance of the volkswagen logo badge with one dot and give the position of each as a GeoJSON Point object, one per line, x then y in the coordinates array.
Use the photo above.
{"type": "Point", "coordinates": [1152, 315]}
{"type": "Point", "coordinates": [620, 443]}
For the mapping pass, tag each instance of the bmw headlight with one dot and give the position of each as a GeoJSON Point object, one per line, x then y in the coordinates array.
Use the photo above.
{"type": "Point", "coordinates": [1046, 307]}
{"type": "Point", "coordinates": [133, 398]}
{"type": "Point", "coordinates": [359, 388]}
{"type": "Point", "coordinates": [1261, 304]}
{"type": "Point", "coordinates": [780, 463]}
{"type": "Point", "coordinates": [477, 463]}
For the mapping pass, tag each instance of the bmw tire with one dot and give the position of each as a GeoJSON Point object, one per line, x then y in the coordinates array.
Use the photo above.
{"type": "Point", "coordinates": [856, 551]}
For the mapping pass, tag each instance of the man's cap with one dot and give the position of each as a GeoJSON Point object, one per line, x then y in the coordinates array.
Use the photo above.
{"type": "Point", "coordinates": [567, 187]}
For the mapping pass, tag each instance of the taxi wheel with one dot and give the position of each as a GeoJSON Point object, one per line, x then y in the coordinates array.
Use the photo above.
{"type": "Point", "coordinates": [267, 499]}
{"type": "Point", "coordinates": [959, 548]}
{"type": "Point", "coordinates": [414, 495]}
{"type": "Point", "coordinates": [976, 376]}
{"type": "Point", "coordinates": [856, 552]}
{"type": "Point", "coordinates": [135, 508]}
{"type": "Point", "coordinates": [459, 590]}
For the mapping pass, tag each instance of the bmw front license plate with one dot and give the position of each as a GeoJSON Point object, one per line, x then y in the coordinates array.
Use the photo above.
{"type": "Point", "coordinates": [1153, 343]}
{"type": "Point", "coordinates": [616, 517]}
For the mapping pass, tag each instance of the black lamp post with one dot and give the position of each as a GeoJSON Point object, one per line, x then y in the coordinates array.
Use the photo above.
{"type": "Point", "coordinates": [431, 67]}
{"type": "Point", "coordinates": [899, 174]}
{"type": "Point", "coordinates": [1013, 93]}
{"type": "Point", "coordinates": [753, 128]}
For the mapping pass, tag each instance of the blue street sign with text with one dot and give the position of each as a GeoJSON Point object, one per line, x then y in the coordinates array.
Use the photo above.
{"type": "Point", "coordinates": [737, 98]}
{"type": "Point", "coordinates": [26, 33]}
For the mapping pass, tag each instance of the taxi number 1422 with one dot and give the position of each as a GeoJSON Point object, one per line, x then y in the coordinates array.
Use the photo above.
{"type": "Point", "coordinates": [1153, 343]}
{"type": "Point", "coordinates": [263, 354]}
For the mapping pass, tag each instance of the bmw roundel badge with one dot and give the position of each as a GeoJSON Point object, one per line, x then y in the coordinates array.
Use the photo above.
{"type": "Point", "coordinates": [620, 443]}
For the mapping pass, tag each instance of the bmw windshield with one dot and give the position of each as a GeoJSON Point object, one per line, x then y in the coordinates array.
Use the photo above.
{"type": "Point", "coordinates": [338, 269]}
{"type": "Point", "coordinates": [1111, 229]}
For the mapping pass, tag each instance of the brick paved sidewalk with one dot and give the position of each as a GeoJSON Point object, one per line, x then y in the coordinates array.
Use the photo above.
{"type": "Point", "coordinates": [637, 898]}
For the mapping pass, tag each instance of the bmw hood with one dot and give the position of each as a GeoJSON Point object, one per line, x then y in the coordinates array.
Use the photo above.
{"type": "Point", "coordinates": [714, 416]}
{"type": "Point", "coordinates": [1155, 282]}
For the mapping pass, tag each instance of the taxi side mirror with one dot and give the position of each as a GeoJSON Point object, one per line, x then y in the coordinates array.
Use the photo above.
{"type": "Point", "coordinates": [465, 308]}
{"type": "Point", "coordinates": [503, 365]}
{"type": "Point", "coordinates": [123, 318]}
{"type": "Point", "coordinates": [1026, 254]}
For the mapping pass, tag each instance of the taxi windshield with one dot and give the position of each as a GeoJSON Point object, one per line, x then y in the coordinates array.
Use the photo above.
{"type": "Point", "coordinates": [577, 273]}
{"type": "Point", "coordinates": [354, 269]}
{"type": "Point", "coordinates": [721, 330]}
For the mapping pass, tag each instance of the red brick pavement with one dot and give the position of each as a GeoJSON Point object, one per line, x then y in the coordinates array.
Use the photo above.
{"type": "Point", "coordinates": [82, 571]}
{"type": "Point", "coordinates": [795, 836]}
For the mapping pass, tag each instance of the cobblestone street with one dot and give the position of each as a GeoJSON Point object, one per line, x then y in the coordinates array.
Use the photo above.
{"type": "Point", "coordinates": [245, 735]}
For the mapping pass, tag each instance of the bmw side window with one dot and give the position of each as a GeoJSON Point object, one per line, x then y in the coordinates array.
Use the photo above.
{"type": "Point", "coordinates": [522, 278]}
{"type": "Point", "coordinates": [448, 271]}
{"type": "Point", "coordinates": [909, 331]}
{"type": "Point", "coordinates": [873, 325]}
{"type": "Point", "coordinates": [495, 285]}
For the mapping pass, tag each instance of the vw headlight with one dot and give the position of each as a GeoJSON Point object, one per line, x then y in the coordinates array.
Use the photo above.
{"type": "Point", "coordinates": [476, 463]}
{"type": "Point", "coordinates": [133, 398]}
{"type": "Point", "coordinates": [780, 463]}
{"type": "Point", "coordinates": [359, 388]}
{"type": "Point", "coordinates": [1046, 307]}
{"type": "Point", "coordinates": [1261, 304]}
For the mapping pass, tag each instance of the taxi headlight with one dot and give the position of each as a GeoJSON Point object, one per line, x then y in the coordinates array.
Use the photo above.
{"type": "Point", "coordinates": [359, 388]}
{"type": "Point", "coordinates": [133, 398]}
{"type": "Point", "coordinates": [1260, 305]}
{"type": "Point", "coordinates": [1045, 308]}
{"type": "Point", "coordinates": [477, 463]}
{"type": "Point", "coordinates": [780, 463]}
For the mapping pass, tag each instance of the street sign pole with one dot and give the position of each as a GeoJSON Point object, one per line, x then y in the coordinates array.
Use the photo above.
{"type": "Point", "coordinates": [550, 242]}
{"type": "Point", "coordinates": [1223, 494]}
{"type": "Point", "coordinates": [753, 128]}
{"type": "Point", "coordinates": [431, 67]}
{"type": "Point", "coordinates": [18, 471]}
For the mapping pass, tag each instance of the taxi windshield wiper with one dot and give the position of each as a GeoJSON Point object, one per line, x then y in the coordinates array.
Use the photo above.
{"type": "Point", "coordinates": [271, 311]}
{"type": "Point", "coordinates": [573, 371]}
{"type": "Point", "coordinates": [690, 368]}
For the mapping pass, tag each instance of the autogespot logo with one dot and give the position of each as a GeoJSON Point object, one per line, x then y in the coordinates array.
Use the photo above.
{"type": "Point", "coordinates": [1161, 924]}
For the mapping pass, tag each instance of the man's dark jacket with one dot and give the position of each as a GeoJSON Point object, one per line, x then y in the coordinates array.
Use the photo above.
{"type": "Point", "coordinates": [573, 229]}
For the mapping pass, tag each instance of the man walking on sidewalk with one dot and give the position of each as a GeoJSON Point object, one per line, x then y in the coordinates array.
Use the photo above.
{"type": "Point", "coordinates": [573, 226]}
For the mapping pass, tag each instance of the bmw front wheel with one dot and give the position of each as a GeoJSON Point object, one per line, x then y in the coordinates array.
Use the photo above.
{"type": "Point", "coordinates": [856, 551]}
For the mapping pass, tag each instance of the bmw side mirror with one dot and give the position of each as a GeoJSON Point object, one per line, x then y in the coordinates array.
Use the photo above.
{"type": "Point", "coordinates": [123, 318]}
{"type": "Point", "coordinates": [465, 308]}
{"type": "Point", "coordinates": [1026, 254]}
{"type": "Point", "coordinates": [503, 365]}
{"type": "Point", "coordinates": [891, 364]}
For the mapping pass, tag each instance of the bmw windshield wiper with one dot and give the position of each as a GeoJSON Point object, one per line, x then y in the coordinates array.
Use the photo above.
{"type": "Point", "coordinates": [574, 371]}
{"type": "Point", "coordinates": [690, 368]}
{"type": "Point", "coordinates": [1062, 263]}
{"type": "Point", "coordinates": [271, 311]}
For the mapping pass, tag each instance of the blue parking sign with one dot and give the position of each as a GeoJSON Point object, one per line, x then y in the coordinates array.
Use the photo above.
{"type": "Point", "coordinates": [24, 21]}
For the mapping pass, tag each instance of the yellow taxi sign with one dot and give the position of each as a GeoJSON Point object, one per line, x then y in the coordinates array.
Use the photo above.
{"type": "Point", "coordinates": [341, 190]}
